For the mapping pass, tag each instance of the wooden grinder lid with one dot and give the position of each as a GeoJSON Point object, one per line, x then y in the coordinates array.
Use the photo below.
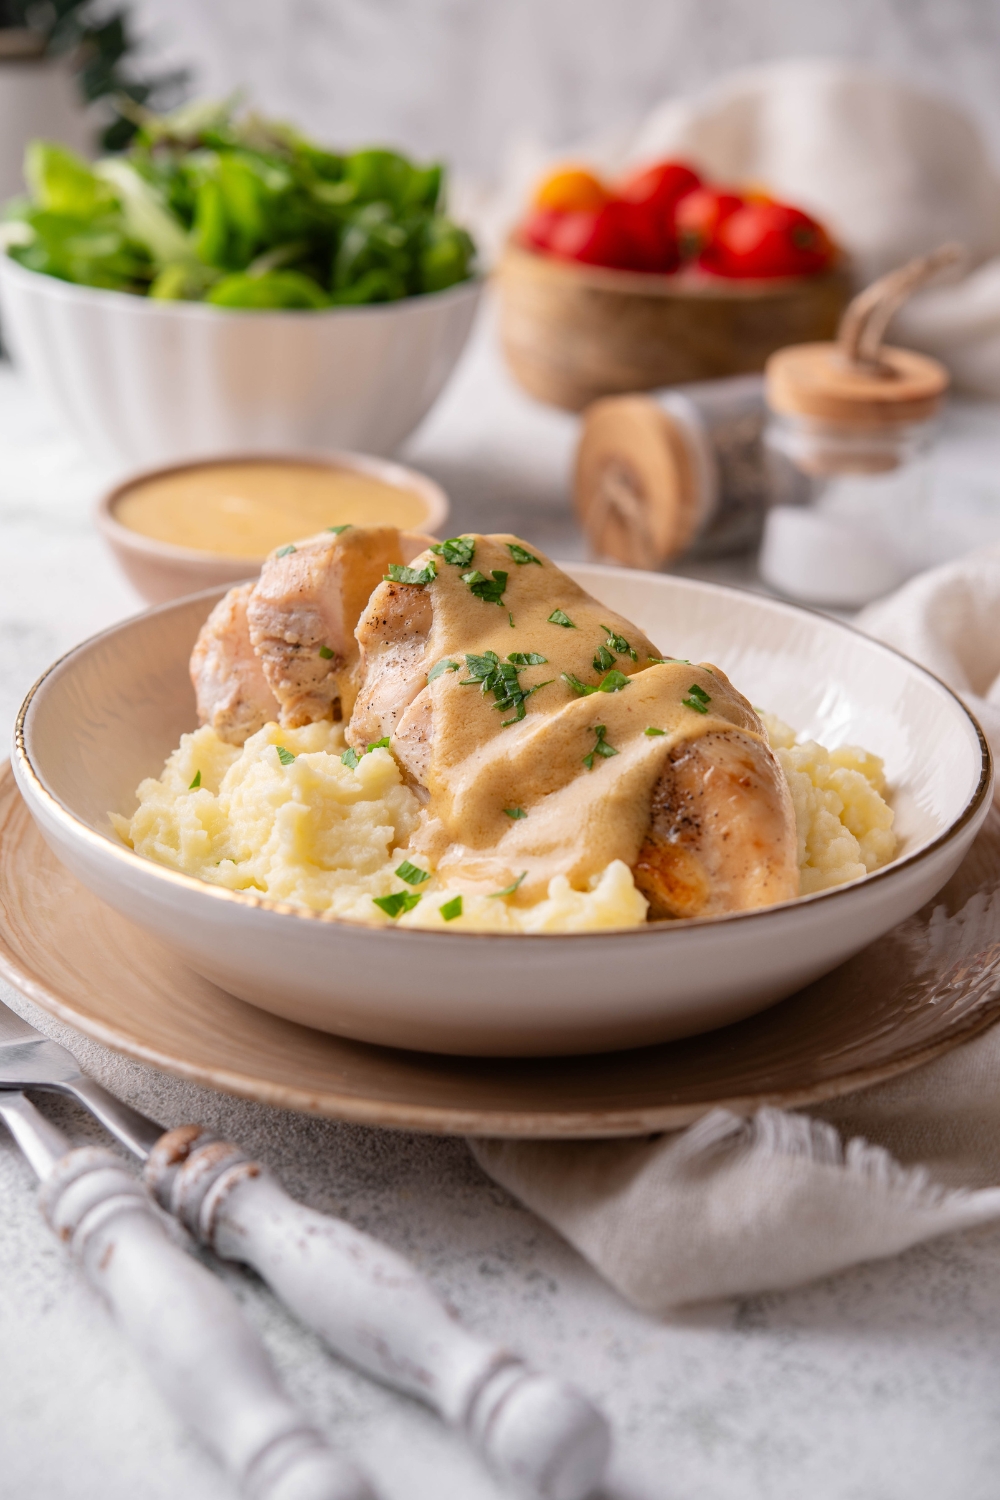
{"type": "Point", "coordinates": [815, 380]}
{"type": "Point", "coordinates": [858, 380]}
{"type": "Point", "coordinates": [635, 489]}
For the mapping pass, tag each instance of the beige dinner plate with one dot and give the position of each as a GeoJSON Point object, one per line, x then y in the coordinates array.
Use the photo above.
{"type": "Point", "coordinates": [922, 989]}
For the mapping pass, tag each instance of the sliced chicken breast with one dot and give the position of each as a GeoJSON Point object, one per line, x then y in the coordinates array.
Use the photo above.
{"type": "Point", "coordinates": [303, 611]}
{"type": "Point", "coordinates": [229, 683]}
{"type": "Point", "coordinates": [722, 830]}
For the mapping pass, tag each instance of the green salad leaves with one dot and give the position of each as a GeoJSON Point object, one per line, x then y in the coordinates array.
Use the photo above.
{"type": "Point", "coordinates": [239, 212]}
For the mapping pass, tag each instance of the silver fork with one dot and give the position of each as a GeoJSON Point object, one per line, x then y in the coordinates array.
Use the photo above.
{"type": "Point", "coordinates": [366, 1302]}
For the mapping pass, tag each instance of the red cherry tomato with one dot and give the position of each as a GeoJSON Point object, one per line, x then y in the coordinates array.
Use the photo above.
{"type": "Point", "coordinates": [699, 214]}
{"type": "Point", "coordinates": [536, 227]}
{"type": "Point", "coordinates": [659, 186]}
{"type": "Point", "coordinates": [768, 239]}
{"type": "Point", "coordinates": [622, 236]}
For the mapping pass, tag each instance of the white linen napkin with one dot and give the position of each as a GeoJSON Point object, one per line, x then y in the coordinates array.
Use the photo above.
{"type": "Point", "coordinates": [731, 1206]}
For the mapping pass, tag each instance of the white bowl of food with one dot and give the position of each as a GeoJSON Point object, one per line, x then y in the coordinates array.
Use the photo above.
{"type": "Point", "coordinates": [188, 527]}
{"type": "Point", "coordinates": [481, 882]}
{"type": "Point", "coordinates": [142, 382]}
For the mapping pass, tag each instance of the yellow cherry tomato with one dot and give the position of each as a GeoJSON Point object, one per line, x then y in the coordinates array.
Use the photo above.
{"type": "Point", "coordinates": [571, 190]}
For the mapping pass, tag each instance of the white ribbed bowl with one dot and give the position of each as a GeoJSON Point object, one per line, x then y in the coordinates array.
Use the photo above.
{"type": "Point", "coordinates": [144, 383]}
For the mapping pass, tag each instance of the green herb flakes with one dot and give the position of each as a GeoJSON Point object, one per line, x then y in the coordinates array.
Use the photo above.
{"type": "Point", "coordinates": [196, 782]}
{"type": "Point", "coordinates": [451, 909]}
{"type": "Point", "coordinates": [509, 890]}
{"type": "Point", "coordinates": [416, 576]}
{"type": "Point", "coordinates": [337, 530]}
{"type": "Point", "coordinates": [501, 679]}
{"type": "Point", "coordinates": [285, 551]}
{"type": "Point", "coordinates": [581, 689]}
{"type": "Point", "coordinates": [457, 550]}
{"type": "Point", "coordinates": [669, 661]}
{"type": "Point", "coordinates": [285, 756]}
{"type": "Point", "coordinates": [521, 555]}
{"type": "Point", "coordinates": [619, 644]}
{"type": "Point", "coordinates": [603, 659]}
{"type": "Point", "coordinates": [399, 902]}
{"type": "Point", "coordinates": [490, 589]}
{"type": "Point", "coordinates": [412, 874]}
{"type": "Point", "coordinates": [697, 699]}
{"type": "Point", "coordinates": [515, 812]}
{"type": "Point", "coordinates": [326, 653]}
{"type": "Point", "coordinates": [560, 617]}
{"type": "Point", "coordinates": [601, 747]}
{"type": "Point", "coordinates": [527, 659]}
{"type": "Point", "coordinates": [444, 665]}
{"type": "Point", "coordinates": [614, 682]}
{"type": "Point", "coordinates": [651, 731]}
{"type": "Point", "coordinates": [510, 618]}
{"type": "Point", "coordinates": [350, 759]}
{"type": "Point", "coordinates": [382, 744]}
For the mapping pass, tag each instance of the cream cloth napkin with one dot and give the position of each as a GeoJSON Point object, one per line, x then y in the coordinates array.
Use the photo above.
{"type": "Point", "coordinates": [731, 1206]}
{"type": "Point", "coordinates": [892, 170]}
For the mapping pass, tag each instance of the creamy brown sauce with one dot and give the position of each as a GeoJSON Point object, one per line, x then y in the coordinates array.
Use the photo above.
{"type": "Point", "coordinates": [577, 819]}
{"type": "Point", "coordinates": [247, 509]}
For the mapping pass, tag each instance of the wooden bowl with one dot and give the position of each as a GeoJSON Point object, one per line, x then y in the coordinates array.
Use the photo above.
{"type": "Point", "coordinates": [572, 333]}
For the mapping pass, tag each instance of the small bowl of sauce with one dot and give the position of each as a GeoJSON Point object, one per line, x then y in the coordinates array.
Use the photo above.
{"type": "Point", "coordinates": [213, 521]}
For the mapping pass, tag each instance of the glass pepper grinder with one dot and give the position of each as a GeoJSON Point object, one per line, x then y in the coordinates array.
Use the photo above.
{"type": "Point", "coordinates": [848, 444]}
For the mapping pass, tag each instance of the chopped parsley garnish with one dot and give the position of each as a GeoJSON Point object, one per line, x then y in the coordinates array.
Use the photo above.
{"type": "Point", "coordinates": [527, 659]}
{"type": "Point", "coordinates": [697, 699]}
{"type": "Point", "coordinates": [451, 909]}
{"type": "Point", "coordinates": [603, 659]}
{"type": "Point", "coordinates": [442, 666]}
{"type": "Point", "coordinates": [619, 644]}
{"type": "Point", "coordinates": [417, 576]}
{"type": "Point", "coordinates": [457, 550]}
{"type": "Point", "coordinates": [501, 679]}
{"type": "Point", "coordinates": [399, 902]}
{"type": "Point", "coordinates": [515, 813]}
{"type": "Point", "coordinates": [669, 661]}
{"type": "Point", "coordinates": [285, 756]}
{"type": "Point", "coordinates": [601, 747]}
{"type": "Point", "coordinates": [326, 653]}
{"type": "Point", "coordinates": [612, 682]}
{"type": "Point", "coordinates": [284, 551]}
{"type": "Point", "coordinates": [521, 555]}
{"type": "Point", "coordinates": [412, 874]}
{"type": "Point", "coordinates": [560, 617]}
{"type": "Point", "coordinates": [510, 617]}
{"type": "Point", "coordinates": [490, 590]}
{"type": "Point", "coordinates": [196, 782]}
{"type": "Point", "coordinates": [652, 731]}
{"type": "Point", "coordinates": [352, 758]}
{"type": "Point", "coordinates": [338, 529]}
{"type": "Point", "coordinates": [509, 890]}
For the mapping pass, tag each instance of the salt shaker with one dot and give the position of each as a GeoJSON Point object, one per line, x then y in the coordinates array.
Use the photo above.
{"type": "Point", "coordinates": [682, 470]}
{"type": "Point", "coordinates": [849, 444]}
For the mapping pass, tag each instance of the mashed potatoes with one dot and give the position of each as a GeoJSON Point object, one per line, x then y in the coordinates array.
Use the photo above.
{"type": "Point", "coordinates": [306, 828]}
{"type": "Point", "coordinates": [844, 823]}
{"type": "Point", "coordinates": [286, 817]}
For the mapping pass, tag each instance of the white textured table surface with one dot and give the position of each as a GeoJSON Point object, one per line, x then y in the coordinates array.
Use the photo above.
{"type": "Point", "coordinates": [880, 1383]}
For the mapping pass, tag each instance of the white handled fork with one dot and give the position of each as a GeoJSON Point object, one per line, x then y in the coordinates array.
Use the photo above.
{"type": "Point", "coordinates": [367, 1303]}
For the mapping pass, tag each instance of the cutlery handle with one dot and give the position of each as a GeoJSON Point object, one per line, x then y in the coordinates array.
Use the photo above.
{"type": "Point", "coordinates": [371, 1306]}
{"type": "Point", "coordinates": [191, 1335]}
